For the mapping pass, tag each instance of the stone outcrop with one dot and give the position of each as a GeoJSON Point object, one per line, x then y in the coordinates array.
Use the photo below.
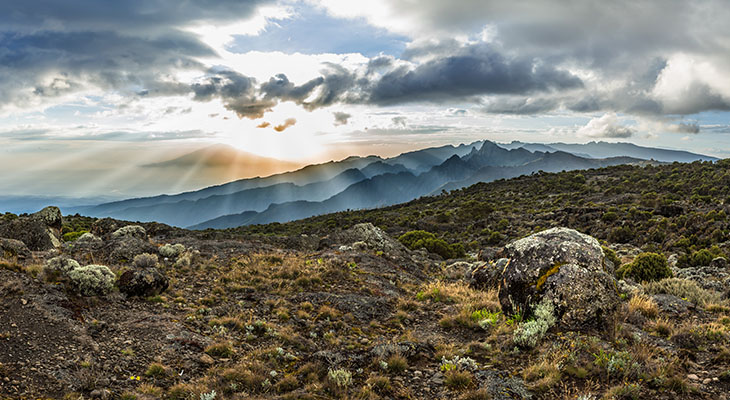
{"type": "Point", "coordinates": [565, 267]}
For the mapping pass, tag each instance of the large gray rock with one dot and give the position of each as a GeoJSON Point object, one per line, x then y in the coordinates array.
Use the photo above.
{"type": "Point", "coordinates": [39, 231]}
{"type": "Point", "coordinates": [134, 231]}
{"type": "Point", "coordinates": [487, 275]}
{"type": "Point", "coordinates": [11, 248]}
{"type": "Point", "coordinates": [564, 266]}
{"type": "Point", "coordinates": [373, 237]}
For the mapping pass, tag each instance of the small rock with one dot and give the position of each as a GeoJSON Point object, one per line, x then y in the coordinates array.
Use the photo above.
{"type": "Point", "coordinates": [207, 360]}
{"type": "Point", "coordinates": [143, 282]}
{"type": "Point", "coordinates": [718, 262]}
{"type": "Point", "coordinates": [706, 381]}
{"type": "Point", "coordinates": [693, 377]}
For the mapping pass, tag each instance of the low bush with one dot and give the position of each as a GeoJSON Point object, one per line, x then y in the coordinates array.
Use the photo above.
{"type": "Point", "coordinates": [646, 267]}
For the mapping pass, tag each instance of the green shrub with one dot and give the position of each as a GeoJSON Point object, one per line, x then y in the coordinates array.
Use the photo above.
{"type": "Point", "coordinates": [71, 236]}
{"type": "Point", "coordinates": [421, 239]}
{"type": "Point", "coordinates": [646, 267]}
{"type": "Point", "coordinates": [622, 234]}
{"type": "Point", "coordinates": [171, 250]}
{"type": "Point", "coordinates": [701, 258]}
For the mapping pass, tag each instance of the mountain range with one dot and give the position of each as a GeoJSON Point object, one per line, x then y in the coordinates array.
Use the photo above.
{"type": "Point", "coordinates": [370, 182]}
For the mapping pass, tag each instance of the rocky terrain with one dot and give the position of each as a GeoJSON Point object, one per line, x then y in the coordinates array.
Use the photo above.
{"type": "Point", "coordinates": [608, 283]}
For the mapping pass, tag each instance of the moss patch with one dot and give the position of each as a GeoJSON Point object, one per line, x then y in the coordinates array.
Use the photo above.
{"type": "Point", "coordinates": [543, 278]}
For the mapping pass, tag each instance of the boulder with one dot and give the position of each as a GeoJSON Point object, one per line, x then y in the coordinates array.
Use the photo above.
{"type": "Point", "coordinates": [373, 237]}
{"type": "Point", "coordinates": [143, 282]}
{"type": "Point", "coordinates": [719, 262]}
{"type": "Point", "coordinates": [11, 248]}
{"type": "Point", "coordinates": [565, 267]}
{"type": "Point", "coordinates": [51, 217]}
{"type": "Point", "coordinates": [104, 227]}
{"type": "Point", "coordinates": [130, 231]}
{"type": "Point", "coordinates": [40, 231]}
{"type": "Point", "coordinates": [487, 275]}
{"type": "Point", "coordinates": [672, 305]}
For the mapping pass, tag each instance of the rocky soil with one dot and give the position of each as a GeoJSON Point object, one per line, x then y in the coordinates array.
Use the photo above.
{"type": "Point", "coordinates": [353, 314]}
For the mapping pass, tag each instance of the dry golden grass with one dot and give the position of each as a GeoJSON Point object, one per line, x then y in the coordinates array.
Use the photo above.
{"type": "Point", "coordinates": [460, 293]}
{"type": "Point", "coordinates": [644, 305]}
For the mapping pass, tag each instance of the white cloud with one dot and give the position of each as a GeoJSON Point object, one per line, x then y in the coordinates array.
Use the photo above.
{"type": "Point", "coordinates": [606, 126]}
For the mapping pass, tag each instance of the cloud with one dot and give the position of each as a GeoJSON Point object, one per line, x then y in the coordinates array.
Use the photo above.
{"type": "Point", "coordinates": [689, 127]}
{"type": "Point", "coordinates": [399, 121]}
{"type": "Point", "coordinates": [53, 50]}
{"type": "Point", "coordinates": [263, 125]}
{"type": "Point", "coordinates": [606, 126]}
{"type": "Point", "coordinates": [238, 93]}
{"type": "Point", "coordinates": [341, 118]}
{"type": "Point", "coordinates": [473, 71]}
{"type": "Point", "coordinates": [287, 123]}
{"type": "Point", "coordinates": [521, 105]}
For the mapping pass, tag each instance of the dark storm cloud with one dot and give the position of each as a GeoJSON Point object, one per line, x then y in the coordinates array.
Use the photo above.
{"type": "Point", "coordinates": [59, 47]}
{"type": "Point", "coordinates": [131, 16]}
{"type": "Point", "coordinates": [238, 92]}
{"type": "Point", "coordinates": [470, 72]}
{"type": "Point", "coordinates": [686, 127]}
{"type": "Point", "coordinates": [477, 70]}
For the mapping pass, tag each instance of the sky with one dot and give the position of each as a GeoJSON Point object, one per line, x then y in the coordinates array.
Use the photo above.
{"type": "Point", "coordinates": [92, 91]}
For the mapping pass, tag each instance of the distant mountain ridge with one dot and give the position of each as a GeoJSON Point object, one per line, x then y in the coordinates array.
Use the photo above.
{"type": "Point", "coordinates": [368, 182]}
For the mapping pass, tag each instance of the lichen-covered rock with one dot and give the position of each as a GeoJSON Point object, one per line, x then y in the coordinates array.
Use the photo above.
{"type": "Point", "coordinates": [11, 248]}
{"type": "Point", "coordinates": [672, 305]}
{"type": "Point", "coordinates": [502, 385]}
{"type": "Point", "coordinates": [564, 266]}
{"type": "Point", "coordinates": [373, 237]}
{"type": "Point", "coordinates": [487, 275]}
{"type": "Point", "coordinates": [39, 231]}
{"type": "Point", "coordinates": [92, 280]}
{"type": "Point", "coordinates": [133, 231]}
{"type": "Point", "coordinates": [60, 265]}
{"type": "Point", "coordinates": [719, 262]}
{"type": "Point", "coordinates": [143, 282]}
{"type": "Point", "coordinates": [51, 217]}
{"type": "Point", "coordinates": [172, 250]}
{"type": "Point", "coordinates": [104, 227]}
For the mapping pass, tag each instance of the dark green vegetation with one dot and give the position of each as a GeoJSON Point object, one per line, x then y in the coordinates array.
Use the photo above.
{"type": "Point", "coordinates": [646, 267]}
{"type": "Point", "coordinates": [674, 207]}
